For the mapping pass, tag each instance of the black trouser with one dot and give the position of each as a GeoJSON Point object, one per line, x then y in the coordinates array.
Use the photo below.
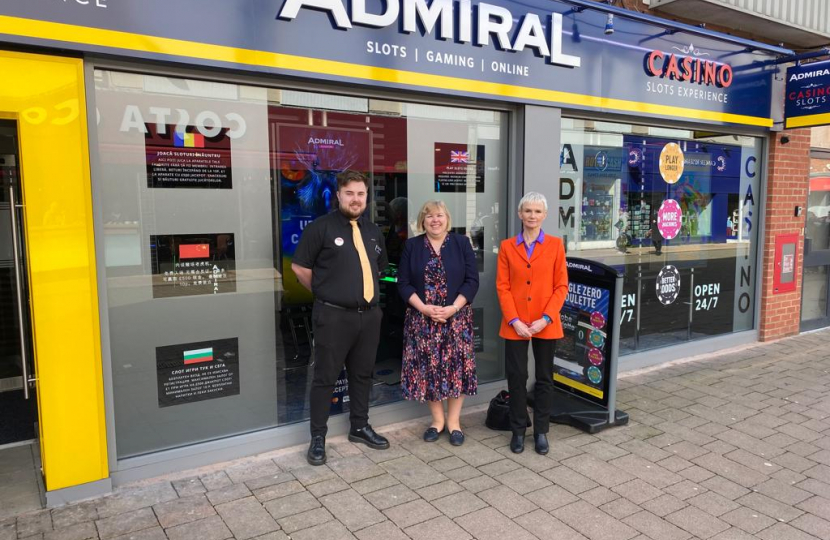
{"type": "Point", "coordinates": [516, 366]}
{"type": "Point", "coordinates": [343, 337]}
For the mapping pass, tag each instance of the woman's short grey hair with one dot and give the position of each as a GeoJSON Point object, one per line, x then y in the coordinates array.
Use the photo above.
{"type": "Point", "coordinates": [532, 197]}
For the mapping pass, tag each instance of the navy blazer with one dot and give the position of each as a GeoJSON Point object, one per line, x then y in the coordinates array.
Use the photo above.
{"type": "Point", "coordinates": [459, 262]}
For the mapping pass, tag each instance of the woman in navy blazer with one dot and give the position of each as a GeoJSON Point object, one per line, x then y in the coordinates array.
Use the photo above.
{"type": "Point", "coordinates": [438, 279]}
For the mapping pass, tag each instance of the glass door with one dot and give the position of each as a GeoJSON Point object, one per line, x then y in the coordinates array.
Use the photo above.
{"type": "Point", "coordinates": [816, 277]}
{"type": "Point", "coordinates": [17, 399]}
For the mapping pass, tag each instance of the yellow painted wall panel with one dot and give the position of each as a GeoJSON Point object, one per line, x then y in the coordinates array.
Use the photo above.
{"type": "Point", "coordinates": [46, 97]}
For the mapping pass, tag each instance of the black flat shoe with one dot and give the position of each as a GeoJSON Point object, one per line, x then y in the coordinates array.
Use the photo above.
{"type": "Point", "coordinates": [541, 443]}
{"type": "Point", "coordinates": [316, 451]}
{"type": "Point", "coordinates": [366, 435]}
{"type": "Point", "coordinates": [432, 433]}
{"type": "Point", "coordinates": [517, 444]}
{"type": "Point", "coordinates": [456, 438]}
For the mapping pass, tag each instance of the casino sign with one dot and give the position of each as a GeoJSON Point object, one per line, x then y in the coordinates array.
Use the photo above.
{"type": "Point", "coordinates": [688, 69]}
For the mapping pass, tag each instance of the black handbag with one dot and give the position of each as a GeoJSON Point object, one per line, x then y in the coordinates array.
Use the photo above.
{"type": "Point", "coordinates": [498, 413]}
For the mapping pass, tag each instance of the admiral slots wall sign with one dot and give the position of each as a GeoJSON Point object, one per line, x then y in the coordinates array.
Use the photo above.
{"type": "Point", "coordinates": [808, 95]}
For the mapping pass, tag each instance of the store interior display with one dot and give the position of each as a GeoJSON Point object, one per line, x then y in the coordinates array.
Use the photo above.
{"type": "Point", "coordinates": [597, 212]}
{"type": "Point", "coordinates": [709, 242]}
{"type": "Point", "coordinates": [638, 221]}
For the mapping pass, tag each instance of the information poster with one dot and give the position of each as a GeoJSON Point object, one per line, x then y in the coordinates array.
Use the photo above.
{"type": "Point", "coordinates": [476, 241]}
{"type": "Point", "coordinates": [192, 264]}
{"type": "Point", "coordinates": [199, 371]}
{"type": "Point", "coordinates": [581, 360]}
{"type": "Point", "coordinates": [478, 329]}
{"type": "Point", "coordinates": [457, 166]}
{"type": "Point", "coordinates": [185, 157]}
{"type": "Point", "coordinates": [308, 160]}
{"type": "Point", "coordinates": [340, 394]}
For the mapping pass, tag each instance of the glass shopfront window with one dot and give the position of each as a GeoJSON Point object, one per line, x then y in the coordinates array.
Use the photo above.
{"type": "Point", "coordinates": [814, 313]}
{"type": "Point", "coordinates": [676, 211]}
{"type": "Point", "coordinates": [205, 189]}
{"type": "Point", "coordinates": [817, 230]}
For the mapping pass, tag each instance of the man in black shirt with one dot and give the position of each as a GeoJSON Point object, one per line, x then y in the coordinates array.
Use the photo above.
{"type": "Point", "coordinates": [339, 258]}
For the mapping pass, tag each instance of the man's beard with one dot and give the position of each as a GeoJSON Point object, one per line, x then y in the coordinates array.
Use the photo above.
{"type": "Point", "coordinates": [349, 211]}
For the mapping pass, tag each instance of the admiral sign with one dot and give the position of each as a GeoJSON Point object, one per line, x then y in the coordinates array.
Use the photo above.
{"type": "Point", "coordinates": [535, 51]}
{"type": "Point", "coordinates": [808, 95]}
{"type": "Point", "coordinates": [413, 15]}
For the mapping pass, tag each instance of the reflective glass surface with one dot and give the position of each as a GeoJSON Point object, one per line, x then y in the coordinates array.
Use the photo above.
{"type": "Point", "coordinates": [817, 226]}
{"type": "Point", "coordinates": [205, 189]}
{"type": "Point", "coordinates": [814, 293]}
{"type": "Point", "coordinates": [676, 211]}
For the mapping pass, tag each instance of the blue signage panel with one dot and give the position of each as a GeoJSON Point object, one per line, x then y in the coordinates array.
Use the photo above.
{"type": "Point", "coordinates": [808, 95]}
{"type": "Point", "coordinates": [536, 51]}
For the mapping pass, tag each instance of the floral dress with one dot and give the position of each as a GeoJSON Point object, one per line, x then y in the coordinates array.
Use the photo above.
{"type": "Point", "coordinates": [438, 358]}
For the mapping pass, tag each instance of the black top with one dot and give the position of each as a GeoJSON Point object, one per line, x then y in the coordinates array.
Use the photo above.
{"type": "Point", "coordinates": [326, 247]}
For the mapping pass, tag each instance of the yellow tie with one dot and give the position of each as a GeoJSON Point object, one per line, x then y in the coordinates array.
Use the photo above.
{"type": "Point", "coordinates": [368, 282]}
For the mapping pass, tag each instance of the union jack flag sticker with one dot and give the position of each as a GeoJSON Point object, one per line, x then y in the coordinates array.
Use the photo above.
{"type": "Point", "coordinates": [461, 156]}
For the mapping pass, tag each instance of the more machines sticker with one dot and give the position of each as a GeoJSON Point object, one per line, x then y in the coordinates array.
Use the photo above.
{"type": "Point", "coordinates": [669, 219]}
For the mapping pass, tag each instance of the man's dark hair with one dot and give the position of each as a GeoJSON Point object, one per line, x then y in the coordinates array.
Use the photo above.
{"type": "Point", "coordinates": [351, 176]}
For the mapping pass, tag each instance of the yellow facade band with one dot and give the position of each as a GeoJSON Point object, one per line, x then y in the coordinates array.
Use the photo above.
{"type": "Point", "coordinates": [808, 121]}
{"type": "Point", "coordinates": [204, 51]}
{"type": "Point", "coordinates": [45, 96]}
{"type": "Point", "coordinates": [578, 385]}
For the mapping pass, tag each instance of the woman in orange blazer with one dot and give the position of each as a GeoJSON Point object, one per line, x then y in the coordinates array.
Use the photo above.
{"type": "Point", "coordinates": [532, 284]}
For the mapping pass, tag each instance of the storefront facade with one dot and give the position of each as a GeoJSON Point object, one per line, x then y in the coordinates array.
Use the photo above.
{"type": "Point", "coordinates": [199, 148]}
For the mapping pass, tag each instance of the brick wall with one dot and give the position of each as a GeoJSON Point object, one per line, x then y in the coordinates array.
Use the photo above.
{"type": "Point", "coordinates": [787, 184]}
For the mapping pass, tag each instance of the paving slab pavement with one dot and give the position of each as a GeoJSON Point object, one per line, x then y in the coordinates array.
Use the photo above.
{"type": "Point", "coordinates": [730, 446]}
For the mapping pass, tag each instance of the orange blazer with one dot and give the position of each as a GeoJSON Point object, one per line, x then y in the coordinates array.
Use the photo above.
{"type": "Point", "coordinates": [529, 288]}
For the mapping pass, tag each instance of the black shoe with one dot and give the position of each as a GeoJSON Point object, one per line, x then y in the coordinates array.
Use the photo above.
{"type": "Point", "coordinates": [541, 443]}
{"type": "Point", "coordinates": [456, 438]}
{"type": "Point", "coordinates": [517, 444]}
{"type": "Point", "coordinates": [432, 433]}
{"type": "Point", "coordinates": [366, 435]}
{"type": "Point", "coordinates": [316, 451]}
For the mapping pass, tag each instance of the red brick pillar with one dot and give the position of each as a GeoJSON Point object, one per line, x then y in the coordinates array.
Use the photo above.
{"type": "Point", "coordinates": [787, 185]}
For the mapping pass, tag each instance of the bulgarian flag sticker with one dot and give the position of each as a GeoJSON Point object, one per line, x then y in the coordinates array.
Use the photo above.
{"type": "Point", "coordinates": [197, 356]}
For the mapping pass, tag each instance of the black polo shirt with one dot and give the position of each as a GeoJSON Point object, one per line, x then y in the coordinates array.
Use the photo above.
{"type": "Point", "coordinates": [326, 247]}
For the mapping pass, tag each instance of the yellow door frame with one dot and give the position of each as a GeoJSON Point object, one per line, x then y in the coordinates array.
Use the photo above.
{"type": "Point", "coordinates": [46, 96]}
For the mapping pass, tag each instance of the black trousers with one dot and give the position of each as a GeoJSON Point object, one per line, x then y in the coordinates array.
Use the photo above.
{"type": "Point", "coordinates": [658, 245]}
{"type": "Point", "coordinates": [341, 338]}
{"type": "Point", "coordinates": [516, 366]}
